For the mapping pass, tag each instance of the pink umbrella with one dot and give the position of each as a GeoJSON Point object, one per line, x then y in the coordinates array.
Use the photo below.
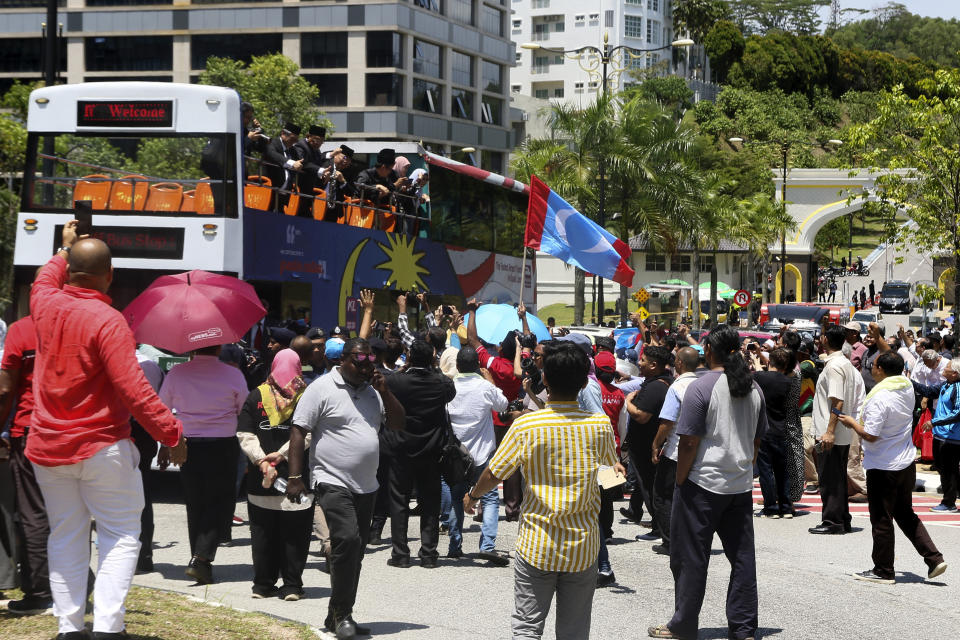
{"type": "Point", "coordinates": [193, 310]}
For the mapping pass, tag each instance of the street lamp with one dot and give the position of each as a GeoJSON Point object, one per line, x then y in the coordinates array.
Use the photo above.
{"type": "Point", "coordinates": [590, 58]}
{"type": "Point", "coordinates": [785, 150]}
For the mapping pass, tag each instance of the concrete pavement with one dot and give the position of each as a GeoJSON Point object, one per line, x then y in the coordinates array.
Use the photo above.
{"type": "Point", "coordinates": [805, 586]}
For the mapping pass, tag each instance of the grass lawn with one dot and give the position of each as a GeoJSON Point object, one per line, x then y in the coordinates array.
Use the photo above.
{"type": "Point", "coordinates": [161, 615]}
{"type": "Point", "coordinates": [866, 238]}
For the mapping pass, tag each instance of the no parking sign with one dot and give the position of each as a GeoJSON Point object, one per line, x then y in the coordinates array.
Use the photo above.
{"type": "Point", "coordinates": [742, 298]}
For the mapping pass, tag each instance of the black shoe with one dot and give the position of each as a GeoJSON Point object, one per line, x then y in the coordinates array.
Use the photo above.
{"type": "Point", "coordinates": [345, 629]}
{"type": "Point", "coordinates": [498, 558]}
{"type": "Point", "coordinates": [73, 635]}
{"type": "Point", "coordinates": [428, 563]}
{"type": "Point", "coordinates": [827, 529]}
{"type": "Point", "coordinates": [662, 549]}
{"type": "Point", "coordinates": [144, 565]}
{"type": "Point", "coordinates": [290, 594]}
{"type": "Point", "coordinates": [200, 570]}
{"type": "Point", "coordinates": [870, 576]}
{"type": "Point", "coordinates": [628, 514]}
{"type": "Point", "coordinates": [444, 528]}
{"type": "Point", "coordinates": [455, 553]}
{"type": "Point", "coordinates": [30, 606]}
{"type": "Point", "coordinates": [478, 517]}
{"type": "Point", "coordinates": [260, 592]}
{"type": "Point", "coordinates": [649, 537]}
{"type": "Point", "coordinates": [375, 538]}
{"type": "Point", "coordinates": [104, 635]}
{"type": "Point", "coordinates": [605, 579]}
{"type": "Point", "coordinates": [400, 563]}
{"type": "Point", "coordinates": [848, 528]}
{"type": "Point", "coordinates": [356, 629]}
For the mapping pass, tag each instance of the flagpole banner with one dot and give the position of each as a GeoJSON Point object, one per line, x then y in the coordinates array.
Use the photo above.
{"type": "Point", "coordinates": [556, 228]}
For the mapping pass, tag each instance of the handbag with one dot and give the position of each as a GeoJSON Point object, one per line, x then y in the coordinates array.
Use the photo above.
{"type": "Point", "coordinates": [456, 463]}
{"type": "Point", "coordinates": [923, 440]}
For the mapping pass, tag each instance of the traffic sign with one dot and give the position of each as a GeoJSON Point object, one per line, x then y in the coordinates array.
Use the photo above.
{"type": "Point", "coordinates": [643, 313]}
{"type": "Point", "coordinates": [641, 295]}
{"type": "Point", "coordinates": [742, 298]}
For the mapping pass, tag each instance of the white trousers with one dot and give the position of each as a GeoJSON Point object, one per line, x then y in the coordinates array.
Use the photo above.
{"type": "Point", "coordinates": [108, 488]}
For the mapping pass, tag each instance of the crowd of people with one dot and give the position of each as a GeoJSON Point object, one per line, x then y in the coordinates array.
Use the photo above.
{"type": "Point", "coordinates": [331, 436]}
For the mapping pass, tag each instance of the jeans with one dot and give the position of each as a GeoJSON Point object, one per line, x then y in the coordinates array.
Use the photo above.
{"type": "Point", "coordinates": [772, 464]}
{"type": "Point", "coordinates": [490, 509]}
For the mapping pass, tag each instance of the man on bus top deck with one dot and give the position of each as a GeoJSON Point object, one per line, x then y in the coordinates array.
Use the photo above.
{"type": "Point", "coordinates": [281, 162]}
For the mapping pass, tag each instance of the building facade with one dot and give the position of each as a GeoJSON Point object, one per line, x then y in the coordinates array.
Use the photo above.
{"type": "Point", "coordinates": [435, 71]}
{"type": "Point", "coordinates": [569, 24]}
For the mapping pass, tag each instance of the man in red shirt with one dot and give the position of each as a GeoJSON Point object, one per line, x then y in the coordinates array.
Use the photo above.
{"type": "Point", "coordinates": [508, 377]}
{"type": "Point", "coordinates": [16, 394]}
{"type": "Point", "coordinates": [87, 383]}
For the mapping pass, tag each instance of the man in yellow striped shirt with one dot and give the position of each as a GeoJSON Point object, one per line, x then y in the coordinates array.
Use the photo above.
{"type": "Point", "coordinates": [560, 450]}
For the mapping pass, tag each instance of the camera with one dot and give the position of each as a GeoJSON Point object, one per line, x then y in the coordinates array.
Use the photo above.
{"type": "Point", "coordinates": [447, 310]}
{"type": "Point", "coordinates": [531, 371]}
{"type": "Point", "coordinates": [516, 405]}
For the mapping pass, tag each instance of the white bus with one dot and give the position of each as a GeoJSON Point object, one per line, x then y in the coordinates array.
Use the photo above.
{"type": "Point", "coordinates": [142, 154]}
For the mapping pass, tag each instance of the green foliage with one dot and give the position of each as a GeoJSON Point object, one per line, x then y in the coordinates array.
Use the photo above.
{"type": "Point", "coordinates": [669, 91]}
{"type": "Point", "coordinates": [789, 62]}
{"type": "Point", "coordinates": [16, 99]}
{"type": "Point", "coordinates": [272, 85]}
{"type": "Point", "coordinates": [696, 17]}
{"type": "Point", "coordinates": [768, 16]}
{"type": "Point", "coordinates": [833, 235]}
{"type": "Point", "coordinates": [175, 158]}
{"type": "Point", "coordinates": [724, 45]}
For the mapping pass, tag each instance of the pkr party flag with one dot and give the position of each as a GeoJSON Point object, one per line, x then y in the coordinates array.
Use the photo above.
{"type": "Point", "coordinates": [554, 227]}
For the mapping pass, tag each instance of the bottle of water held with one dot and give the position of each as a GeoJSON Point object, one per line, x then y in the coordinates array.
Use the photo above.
{"type": "Point", "coordinates": [280, 484]}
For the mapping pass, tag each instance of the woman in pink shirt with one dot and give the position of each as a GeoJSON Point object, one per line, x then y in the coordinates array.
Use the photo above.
{"type": "Point", "coordinates": [207, 395]}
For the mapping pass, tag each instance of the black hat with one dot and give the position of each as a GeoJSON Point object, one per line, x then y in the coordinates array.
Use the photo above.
{"type": "Point", "coordinates": [281, 335]}
{"type": "Point", "coordinates": [386, 156]}
{"type": "Point", "coordinates": [377, 344]}
{"type": "Point", "coordinates": [316, 333]}
{"type": "Point", "coordinates": [337, 331]}
{"type": "Point", "coordinates": [315, 130]}
{"type": "Point", "coordinates": [292, 128]}
{"type": "Point", "coordinates": [231, 354]}
{"type": "Point", "coordinates": [347, 151]}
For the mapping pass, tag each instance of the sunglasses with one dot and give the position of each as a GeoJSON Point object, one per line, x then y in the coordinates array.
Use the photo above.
{"type": "Point", "coordinates": [363, 357]}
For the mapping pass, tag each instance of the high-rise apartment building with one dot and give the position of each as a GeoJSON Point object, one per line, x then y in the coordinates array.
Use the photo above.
{"type": "Point", "coordinates": [430, 70]}
{"type": "Point", "coordinates": [570, 24]}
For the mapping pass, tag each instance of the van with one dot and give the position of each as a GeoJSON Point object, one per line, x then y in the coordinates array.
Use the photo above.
{"type": "Point", "coordinates": [896, 297]}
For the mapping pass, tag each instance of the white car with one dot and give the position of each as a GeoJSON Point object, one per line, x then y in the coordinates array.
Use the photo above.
{"type": "Point", "coordinates": [866, 316]}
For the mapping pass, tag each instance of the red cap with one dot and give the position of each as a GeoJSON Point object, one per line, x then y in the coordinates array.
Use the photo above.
{"type": "Point", "coordinates": [605, 360]}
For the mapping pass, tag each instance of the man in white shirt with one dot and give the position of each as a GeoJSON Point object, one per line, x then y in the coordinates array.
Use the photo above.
{"type": "Point", "coordinates": [839, 390]}
{"type": "Point", "coordinates": [472, 420]}
{"type": "Point", "coordinates": [888, 455]}
{"type": "Point", "coordinates": [929, 371]}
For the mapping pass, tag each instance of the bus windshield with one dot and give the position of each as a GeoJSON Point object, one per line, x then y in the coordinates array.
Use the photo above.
{"type": "Point", "coordinates": [140, 173]}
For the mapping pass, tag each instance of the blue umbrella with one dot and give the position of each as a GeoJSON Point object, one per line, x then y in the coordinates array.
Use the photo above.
{"type": "Point", "coordinates": [494, 321]}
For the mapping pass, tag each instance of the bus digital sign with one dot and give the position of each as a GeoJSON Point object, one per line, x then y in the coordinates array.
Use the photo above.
{"type": "Point", "coordinates": [125, 113]}
{"type": "Point", "coordinates": [161, 243]}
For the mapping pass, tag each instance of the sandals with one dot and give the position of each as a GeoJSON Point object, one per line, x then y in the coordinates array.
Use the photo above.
{"type": "Point", "coordinates": [661, 631]}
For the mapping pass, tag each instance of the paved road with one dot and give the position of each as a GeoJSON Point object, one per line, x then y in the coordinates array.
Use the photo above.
{"type": "Point", "coordinates": [805, 588]}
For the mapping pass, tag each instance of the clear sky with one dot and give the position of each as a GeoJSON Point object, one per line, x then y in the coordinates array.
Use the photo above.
{"type": "Point", "coordinates": [933, 8]}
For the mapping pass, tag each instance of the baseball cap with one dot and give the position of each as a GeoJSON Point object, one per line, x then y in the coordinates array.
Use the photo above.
{"type": "Point", "coordinates": [580, 340]}
{"type": "Point", "coordinates": [630, 355]}
{"type": "Point", "coordinates": [605, 361]}
{"type": "Point", "coordinates": [852, 326]}
{"type": "Point", "coordinates": [334, 348]}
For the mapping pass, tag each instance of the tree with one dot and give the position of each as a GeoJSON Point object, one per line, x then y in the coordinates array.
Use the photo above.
{"type": "Point", "coordinates": [835, 233]}
{"type": "Point", "coordinates": [669, 91]}
{"type": "Point", "coordinates": [272, 85]}
{"type": "Point", "coordinates": [790, 16]}
{"type": "Point", "coordinates": [696, 17]}
{"type": "Point", "coordinates": [920, 139]}
{"type": "Point", "coordinates": [724, 45]}
{"type": "Point", "coordinates": [13, 147]}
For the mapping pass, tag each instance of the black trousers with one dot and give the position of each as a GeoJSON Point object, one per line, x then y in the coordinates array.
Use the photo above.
{"type": "Point", "coordinates": [890, 497]}
{"type": "Point", "coordinates": [32, 526]}
{"type": "Point", "coordinates": [423, 474]}
{"type": "Point", "coordinates": [607, 496]}
{"type": "Point", "coordinates": [772, 464]}
{"type": "Point", "coordinates": [946, 455]}
{"type": "Point", "coordinates": [697, 515]}
{"type": "Point", "coordinates": [381, 507]}
{"type": "Point", "coordinates": [147, 447]}
{"type": "Point", "coordinates": [512, 486]}
{"type": "Point", "coordinates": [348, 518]}
{"type": "Point", "coordinates": [209, 481]}
{"type": "Point", "coordinates": [832, 469]}
{"type": "Point", "coordinates": [664, 482]}
{"type": "Point", "coordinates": [641, 447]}
{"type": "Point", "coordinates": [279, 542]}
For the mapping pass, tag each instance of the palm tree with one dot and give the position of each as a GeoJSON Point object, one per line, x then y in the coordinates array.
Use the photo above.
{"type": "Point", "coordinates": [763, 222]}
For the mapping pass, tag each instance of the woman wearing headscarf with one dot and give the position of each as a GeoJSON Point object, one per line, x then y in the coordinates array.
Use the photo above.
{"type": "Point", "coordinates": [279, 529]}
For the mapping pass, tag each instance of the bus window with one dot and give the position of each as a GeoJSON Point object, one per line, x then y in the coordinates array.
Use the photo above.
{"type": "Point", "coordinates": [183, 174]}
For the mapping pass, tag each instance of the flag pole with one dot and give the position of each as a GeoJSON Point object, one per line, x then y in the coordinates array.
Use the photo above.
{"type": "Point", "coordinates": [523, 275]}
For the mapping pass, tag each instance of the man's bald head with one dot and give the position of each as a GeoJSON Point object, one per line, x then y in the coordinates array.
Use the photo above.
{"type": "Point", "coordinates": [303, 346]}
{"type": "Point", "coordinates": [688, 358]}
{"type": "Point", "coordinates": [90, 264]}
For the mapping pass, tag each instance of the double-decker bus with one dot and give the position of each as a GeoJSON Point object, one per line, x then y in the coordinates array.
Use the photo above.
{"type": "Point", "coordinates": [143, 154]}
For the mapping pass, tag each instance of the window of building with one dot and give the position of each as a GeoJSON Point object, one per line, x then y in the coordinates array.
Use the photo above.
{"type": "Point", "coordinates": [579, 20]}
{"type": "Point", "coordinates": [541, 31]}
{"type": "Point", "coordinates": [110, 3]}
{"type": "Point", "coordinates": [608, 18]}
{"type": "Point", "coordinates": [460, 10]}
{"type": "Point", "coordinates": [384, 49]}
{"type": "Point", "coordinates": [541, 4]}
{"type": "Point", "coordinates": [594, 19]}
{"type": "Point", "coordinates": [251, 44]}
{"type": "Point", "coordinates": [384, 90]}
{"type": "Point", "coordinates": [461, 68]}
{"type": "Point", "coordinates": [655, 262]}
{"type": "Point", "coordinates": [461, 104]}
{"type": "Point", "coordinates": [632, 26]}
{"type": "Point", "coordinates": [323, 50]}
{"type": "Point", "coordinates": [558, 92]}
{"type": "Point", "coordinates": [680, 264]}
{"type": "Point", "coordinates": [517, 25]}
{"type": "Point", "coordinates": [427, 96]}
{"type": "Point", "coordinates": [427, 59]}
{"type": "Point", "coordinates": [542, 94]}
{"type": "Point", "coordinates": [491, 21]}
{"type": "Point", "coordinates": [559, 27]}
{"type": "Point", "coordinates": [118, 78]}
{"type": "Point", "coordinates": [332, 86]}
{"type": "Point", "coordinates": [429, 5]}
{"type": "Point", "coordinates": [653, 5]}
{"type": "Point", "coordinates": [492, 110]}
{"type": "Point", "coordinates": [578, 87]}
{"type": "Point", "coordinates": [639, 3]}
{"type": "Point", "coordinates": [515, 88]}
{"type": "Point", "coordinates": [31, 3]}
{"type": "Point", "coordinates": [593, 87]}
{"type": "Point", "coordinates": [492, 78]}
{"type": "Point", "coordinates": [558, 59]}
{"type": "Point", "coordinates": [26, 54]}
{"type": "Point", "coordinates": [653, 31]}
{"type": "Point", "coordinates": [706, 263]}
{"type": "Point", "coordinates": [491, 161]}
{"type": "Point", "coordinates": [518, 56]}
{"type": "Point", "coordinates": [134, 53]}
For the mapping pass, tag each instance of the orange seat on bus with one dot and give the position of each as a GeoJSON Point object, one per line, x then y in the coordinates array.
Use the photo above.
{"type": "Point", "coordinates": [189, 204]}
{"type": "Point", "coordinates": [388, 221]}
{"type": "Point", "coordinates": [164, 196]}
{"type": "Point", "coordinates": [292, 204]}
{"type": "Point", "coordinates": [257, 195]}
{"type": "Point", "coordinates": [120, 195]}
{"type": "Point", "coordinates": [96, 188]}
{"type": "Point", "coordinates": [358, 215]}
{"type": "Point", "coordinates": [204, 198]}
{"type": "Point", "coordinates": [319, 203]}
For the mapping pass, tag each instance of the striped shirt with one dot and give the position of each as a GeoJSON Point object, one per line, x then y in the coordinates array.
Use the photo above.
{"type": "Point", "coordinates": [560, 450]}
